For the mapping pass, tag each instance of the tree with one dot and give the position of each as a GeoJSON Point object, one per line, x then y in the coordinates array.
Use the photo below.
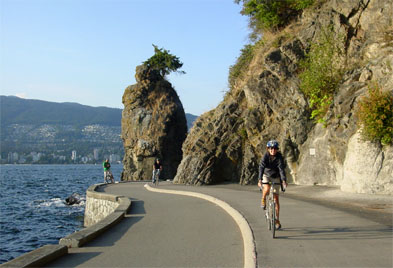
{"type": "Point", "coordinates": [272, 14]}
{"type": "Point", "coordinates": [164, 62]}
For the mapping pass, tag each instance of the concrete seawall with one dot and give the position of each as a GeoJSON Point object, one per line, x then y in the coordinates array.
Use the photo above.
{"type": "Point", "coordinates": [101, 212]}
{"type": "Point", "coordinates": [98, 205]}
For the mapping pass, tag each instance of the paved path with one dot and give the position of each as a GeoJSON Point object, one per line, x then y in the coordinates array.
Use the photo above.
{"type": "Point", "coordinates": [318, 230]}
{"type": "Point", "coordinates": [163, 230]}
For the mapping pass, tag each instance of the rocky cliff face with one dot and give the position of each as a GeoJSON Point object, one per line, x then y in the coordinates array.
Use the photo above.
{"type": "Point", "coordinates": [153, 125]}
{"type": "Point", "coordinates": [226, 143]}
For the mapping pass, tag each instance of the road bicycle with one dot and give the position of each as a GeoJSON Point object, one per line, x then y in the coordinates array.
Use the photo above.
{"type": "Point", "coordinates": [109, 178]}
{"type": "Point", "coordinates": [156, 177]}
{"type": "Point", "coordinates": [270, 212]}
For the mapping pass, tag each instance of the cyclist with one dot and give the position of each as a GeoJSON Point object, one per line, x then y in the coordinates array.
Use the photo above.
{"type": "Point", "coordinates": [272, 169]}
{"type": "Point", "coordinates": [157, 168]}
{"type": "Point", "coordinates": [107, 170]}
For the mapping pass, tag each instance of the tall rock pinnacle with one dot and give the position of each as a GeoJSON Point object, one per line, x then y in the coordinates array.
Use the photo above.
{"type": "Point", "coordinates": [153, 126]}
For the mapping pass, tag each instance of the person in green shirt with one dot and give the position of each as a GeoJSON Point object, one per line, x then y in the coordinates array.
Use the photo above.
{"type": "Point", "coordinates": [108, 176]}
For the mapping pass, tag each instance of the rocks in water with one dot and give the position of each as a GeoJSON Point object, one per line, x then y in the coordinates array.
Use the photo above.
{"type": "Point", "coordinates": [153, 126]}
{"type": "Point", "coordinates": [73, 199]}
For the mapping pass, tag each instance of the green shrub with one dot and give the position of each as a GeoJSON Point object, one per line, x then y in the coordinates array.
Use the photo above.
{"type": "Point", "coordinates": [164, 62]}
{"type": "Point", "coordinates": [321, 73]}
{"type": "Point", "coordinates": [271, 14]}
{"type": "Point", "coordinates": [243, 133]}
{"type": "Point", "coordinates": [375, 113]}
{"type": "Point", "coordinates": [242, 62]}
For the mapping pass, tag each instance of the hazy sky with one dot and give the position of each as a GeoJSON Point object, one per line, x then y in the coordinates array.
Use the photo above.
{"type": "Point", "coordinates": [86, 51]}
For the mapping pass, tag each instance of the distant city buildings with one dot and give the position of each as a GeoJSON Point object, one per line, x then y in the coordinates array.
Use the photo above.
{"type": "Point", "coordinates": [73, 155]}
{"type": "Point", "coordinates": [96, 154]}
{"type": "Point", "coordinates": [60, 144]}
{"type": "Point", "coordinates": [114, 158]}
{"type": "Point", "coordinates": [13, 157]}
{"type": "Point", "coordinates": [61, 157]}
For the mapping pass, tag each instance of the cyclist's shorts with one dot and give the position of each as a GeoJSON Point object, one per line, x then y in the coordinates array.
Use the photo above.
{"type": "Point", "coordinates": [277, 185]}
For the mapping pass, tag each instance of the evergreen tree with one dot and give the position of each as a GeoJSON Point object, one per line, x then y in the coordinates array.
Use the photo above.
{"type": "Point", "coordinates": [163, 62]}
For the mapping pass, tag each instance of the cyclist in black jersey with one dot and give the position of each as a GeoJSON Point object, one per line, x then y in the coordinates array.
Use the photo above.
{"type": "Point", "coordinates": [157, 168]}
{"type": "Point", "coordinates": [272, 168]}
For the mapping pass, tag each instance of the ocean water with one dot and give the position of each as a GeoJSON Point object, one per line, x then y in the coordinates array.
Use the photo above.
{"type": "Point", "coordinates": [33, 211]}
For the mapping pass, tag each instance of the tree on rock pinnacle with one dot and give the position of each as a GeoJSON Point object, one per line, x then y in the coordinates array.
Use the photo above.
{"type": "Point", "coordinates": [163, 62]}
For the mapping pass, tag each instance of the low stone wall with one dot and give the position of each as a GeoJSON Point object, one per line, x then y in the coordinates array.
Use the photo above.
{"type": "Point", "coordinates": [102, 212]}
{"type": "Point", "coordinates": [98, 205]}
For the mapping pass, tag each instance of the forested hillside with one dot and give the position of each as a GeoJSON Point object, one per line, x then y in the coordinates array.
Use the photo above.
{"type": "Point", "coordinates": [53, 130]}
{"type": "Point", "coordinates": [16, 110]}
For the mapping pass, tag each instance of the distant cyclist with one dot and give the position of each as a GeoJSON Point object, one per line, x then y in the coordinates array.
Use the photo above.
{"type": "Point", "coordinates": [272, 169]}
{"type": "Point", "coordinates": [157, 168]}
{"type": "Point", "coordinates": [108, 176]}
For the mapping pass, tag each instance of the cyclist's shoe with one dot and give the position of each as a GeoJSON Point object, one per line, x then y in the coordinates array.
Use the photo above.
{"type": "Point", "coordinates": [263, 204]}
{"type": "Point", "coordinates": [278, 225]}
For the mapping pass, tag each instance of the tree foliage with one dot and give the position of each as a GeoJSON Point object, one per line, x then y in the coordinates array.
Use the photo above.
{"type": "Point", "coordinates": [272, 14]}
{"type": "Point", "coordinates": [321, 73]}
{"type": "Point", "coordinates": [236, 70]}
{"type": "Point", "coordinates": [163, 62]}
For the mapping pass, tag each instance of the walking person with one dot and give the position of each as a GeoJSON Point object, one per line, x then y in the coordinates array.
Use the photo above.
{"type": "Point", "coordinates": [157, 168]}
{"type": "Point", "coordinates": [108, 176]}
{"type": "Point", "coordinates": [272, 169]}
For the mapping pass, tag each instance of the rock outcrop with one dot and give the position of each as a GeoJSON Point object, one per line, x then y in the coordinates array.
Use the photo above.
{"type": "Point", "coordinates": [226, 143]}
{"type": "Point", "coordinates": [153, 126]}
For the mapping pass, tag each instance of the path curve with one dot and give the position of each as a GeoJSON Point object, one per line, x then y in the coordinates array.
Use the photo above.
{"type": "Point", "coordinates": [245, 229]}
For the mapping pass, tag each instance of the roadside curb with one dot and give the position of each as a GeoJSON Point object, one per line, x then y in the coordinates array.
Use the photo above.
{"type": "Point", "coordinates": [38, 257]}
{"type": "Point", "coordinates": [245, 229]}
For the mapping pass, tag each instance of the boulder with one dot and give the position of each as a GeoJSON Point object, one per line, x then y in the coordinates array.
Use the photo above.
{"type": "Point", "coordinates": [368, 168]}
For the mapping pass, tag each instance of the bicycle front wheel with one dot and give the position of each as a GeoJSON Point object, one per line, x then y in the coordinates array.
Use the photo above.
{"type": "Point", "coordinates": [273, 221]}
{"type": "Point", "coordinates": [269, 213]}
{"type": "Point", "coordinates": [267, 218]}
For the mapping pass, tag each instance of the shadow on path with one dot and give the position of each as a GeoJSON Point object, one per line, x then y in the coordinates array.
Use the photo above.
{"type": "Point", "coordinates": [335, 233]}
{"type": "Point", "coordinates": [99, 245]}
{"type": "Point", "coordinates": [108, 239]}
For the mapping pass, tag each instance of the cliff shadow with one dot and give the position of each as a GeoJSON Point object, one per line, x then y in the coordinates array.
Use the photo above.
{"type": "Point", "coordinates": [104, 242]}
{"type": "Point", "coordinates": [134, 214]}
{"type": "Point", "coordinates": [335, 233]}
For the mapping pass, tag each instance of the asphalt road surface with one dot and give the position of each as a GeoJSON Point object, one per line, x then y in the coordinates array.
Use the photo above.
{"type": "Point", "coordinates": [312, 235]}
{"type": "Point", "coordinates": [164, 230]}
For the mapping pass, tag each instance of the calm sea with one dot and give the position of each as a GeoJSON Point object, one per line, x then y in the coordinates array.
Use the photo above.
{"type": "Point", "coordinates": [33, 211]}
